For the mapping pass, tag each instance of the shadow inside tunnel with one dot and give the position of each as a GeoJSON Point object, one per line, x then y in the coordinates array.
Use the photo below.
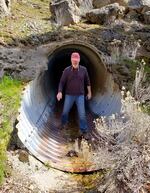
{"type": "Point", "coordinates": [15, 143]}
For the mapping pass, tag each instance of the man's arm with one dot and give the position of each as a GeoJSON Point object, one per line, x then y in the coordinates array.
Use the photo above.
{"type": "Point", "coordinates": [61, 85]}
{"type": "Point", "coordinates": [62, 81]}
{"type": "Point", "coordinates": [88, 83]}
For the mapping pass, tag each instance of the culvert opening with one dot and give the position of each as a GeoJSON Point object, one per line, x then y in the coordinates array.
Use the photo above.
{"type": "Point", "coordinates": [40, 112]}
{"type": "Point", "coordinates": [59, 60]}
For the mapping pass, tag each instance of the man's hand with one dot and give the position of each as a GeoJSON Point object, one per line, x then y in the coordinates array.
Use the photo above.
{"type": "Point", "coordinates": [59, 96]}
{"type": "Point", "coordinates": [89, 95]}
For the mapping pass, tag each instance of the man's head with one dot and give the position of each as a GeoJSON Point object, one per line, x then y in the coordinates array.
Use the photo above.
{"type": "Point", "coordinates": [75, 59]}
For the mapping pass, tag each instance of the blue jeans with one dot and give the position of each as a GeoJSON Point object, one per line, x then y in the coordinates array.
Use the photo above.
{"type": "Point", "coordinates": [80, 103]}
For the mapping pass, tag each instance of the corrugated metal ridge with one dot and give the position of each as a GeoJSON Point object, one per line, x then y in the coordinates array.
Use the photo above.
{"type": "Point", "coordinates": [46, 142]}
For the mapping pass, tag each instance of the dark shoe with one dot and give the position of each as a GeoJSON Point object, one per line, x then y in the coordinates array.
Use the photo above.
{"type": "Point", "coordinates": [62, 127]}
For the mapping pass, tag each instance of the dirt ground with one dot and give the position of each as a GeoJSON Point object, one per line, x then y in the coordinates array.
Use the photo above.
{"type": "Point", "coordinates": [34, 177]}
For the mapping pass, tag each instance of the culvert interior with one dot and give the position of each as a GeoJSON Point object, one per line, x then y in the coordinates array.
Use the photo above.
{"type": "Point", "coordinates": [40, 112]}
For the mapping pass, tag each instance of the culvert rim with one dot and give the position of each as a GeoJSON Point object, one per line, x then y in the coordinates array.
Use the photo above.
{"type": "Point", "coordinates": [76, 42]}
{"type": "Point", "coordinates": [35, 132]}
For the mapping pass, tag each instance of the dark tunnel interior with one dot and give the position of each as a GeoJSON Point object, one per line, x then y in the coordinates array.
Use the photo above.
{"type": "Point", "coordinates": [60, 60]}
{"type": "Point", "coordinates": [57, 63]}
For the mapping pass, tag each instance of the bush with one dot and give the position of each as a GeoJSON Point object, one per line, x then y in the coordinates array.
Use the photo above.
{"type": "Point", "coordinates": [130, 153]}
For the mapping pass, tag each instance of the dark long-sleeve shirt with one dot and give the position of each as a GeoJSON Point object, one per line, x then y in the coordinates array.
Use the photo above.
{"type": "Point", "coordinates": [74, 80]}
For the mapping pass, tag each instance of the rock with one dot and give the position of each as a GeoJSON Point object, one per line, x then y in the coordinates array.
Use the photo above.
{"type": "Point", "coordinates": [65, 12]}
{"type": "Point", "coordinates": [23, 156]}
{"type": "Point", "coordinates": [101, 3]}
{"type": "Point", "coordinates": [4, 8]}
{"type": "Point", "coordinates": [147, 17]}
{"type": "Point", "coordinates": [145, 9]}
{"type": "Point", "coordinates": [18, 64]}
{"type": "Point", "coordinates": [84, 6]}
{"type": "Point", "coordinates": [102, 15]}
{"type": "Point", "coordinates": [122, 2]}
{"type": "Point", "coordinates": [140, 5]}
{"type": "Point", "coordinates": [132, 15]}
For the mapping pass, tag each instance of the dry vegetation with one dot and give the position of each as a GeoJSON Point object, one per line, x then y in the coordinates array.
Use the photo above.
{"type": "Point", "coordinates": [27, 19]}
{"type": "Point", "coordinates": [130, 171]}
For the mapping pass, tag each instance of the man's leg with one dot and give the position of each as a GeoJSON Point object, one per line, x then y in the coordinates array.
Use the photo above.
{"type": "Point", "coordinates": [69, 100]}
{"type": "Point", "coordinates": [81, 112]}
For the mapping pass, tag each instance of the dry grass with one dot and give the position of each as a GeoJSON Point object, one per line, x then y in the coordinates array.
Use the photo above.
{"type": "Point", "coordinates": [141, 88]}
{"type": "Point", "coordinates": [131, 153]}
{"type": "Point", "coordinates": [127, 159]}
{"type": "Point", "coordinates": [27, 18]}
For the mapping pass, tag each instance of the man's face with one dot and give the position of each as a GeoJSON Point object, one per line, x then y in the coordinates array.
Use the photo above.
{"type": "Point", "coordinates": [75, 63]}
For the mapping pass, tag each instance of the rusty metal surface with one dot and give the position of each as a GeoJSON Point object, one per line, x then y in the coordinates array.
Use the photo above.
{"type": "Point", "coordinates": [39, 120]}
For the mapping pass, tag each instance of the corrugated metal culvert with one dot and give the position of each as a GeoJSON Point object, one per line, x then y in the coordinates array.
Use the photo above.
{"type": "Point", "coordinates": [40, 111]}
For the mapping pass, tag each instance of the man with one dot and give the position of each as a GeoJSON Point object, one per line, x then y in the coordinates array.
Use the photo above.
{"type": "Point", "coordinates": [74, 79]}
